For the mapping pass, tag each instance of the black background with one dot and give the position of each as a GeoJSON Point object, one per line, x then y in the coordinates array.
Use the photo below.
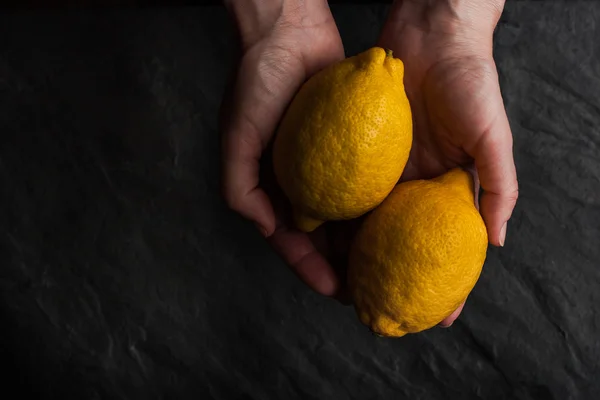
{"type": "Point", "coordinates": [123, 275]}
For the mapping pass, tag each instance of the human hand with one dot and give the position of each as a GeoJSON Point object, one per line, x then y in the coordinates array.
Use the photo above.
{"type": "Point", "coordinates": [283, 43]}
{"type": "Point", "coordinates": [458, 111]}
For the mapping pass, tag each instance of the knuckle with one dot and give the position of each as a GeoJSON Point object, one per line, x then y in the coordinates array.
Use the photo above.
{"type": "Point", "coordinates": [513, 195]}
{"type": "Point", "coordinates": [234, 201]}
{"type": "Point", "coordinates": [229, 195]}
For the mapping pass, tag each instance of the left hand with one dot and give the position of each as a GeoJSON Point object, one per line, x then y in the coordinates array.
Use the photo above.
{"type": "Point", "coordinates": [458, 111]}
{"type": "Point", "coordinates": [283, 43]}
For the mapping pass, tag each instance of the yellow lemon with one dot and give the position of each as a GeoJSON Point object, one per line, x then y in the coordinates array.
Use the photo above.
{"type": "Point", "coordinates": [418, 255]}
{"type": "Point", "coordinates": [345, 139]}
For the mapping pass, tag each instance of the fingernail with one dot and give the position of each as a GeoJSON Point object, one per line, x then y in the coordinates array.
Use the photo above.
{"type": "Point", "coordinates": [445, 326]}
{"type": "Point", "coordinates": [502, 237]}
{"type": "Point", "coordinates": [262, 230]}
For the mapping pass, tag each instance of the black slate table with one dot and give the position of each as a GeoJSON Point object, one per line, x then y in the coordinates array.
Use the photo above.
{"type": "Point", "coordinates": [123, 275]}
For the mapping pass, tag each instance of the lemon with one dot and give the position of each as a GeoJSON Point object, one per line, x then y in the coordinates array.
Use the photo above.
{"type": "Point", "coordinates": [418, 255]}
{"type": "Point", "coordinates": [345, 139]}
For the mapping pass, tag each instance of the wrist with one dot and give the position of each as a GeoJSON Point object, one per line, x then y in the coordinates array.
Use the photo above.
{"type": "Point", "coordinates": [466, 19]}
{"type": "Point", "coordinates": [256, 19]}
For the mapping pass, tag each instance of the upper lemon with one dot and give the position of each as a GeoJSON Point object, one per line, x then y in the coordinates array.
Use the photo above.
{"type": "Point", "coordinates": [345, 139]}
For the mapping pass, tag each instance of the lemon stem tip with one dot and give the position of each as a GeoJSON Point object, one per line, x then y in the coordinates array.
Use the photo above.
{"type": "Point", "coordinates": [305, 223]}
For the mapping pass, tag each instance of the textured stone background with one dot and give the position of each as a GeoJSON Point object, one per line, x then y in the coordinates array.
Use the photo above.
{"type": "Point", "coordinates": [124, 277]}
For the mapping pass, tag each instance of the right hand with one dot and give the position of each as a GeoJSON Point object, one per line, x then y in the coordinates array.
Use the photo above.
{"type": "Point", "coordinates": [284, 42]}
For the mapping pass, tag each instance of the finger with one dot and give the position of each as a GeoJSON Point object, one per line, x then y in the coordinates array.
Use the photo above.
{"type": "Point", "coordinates": [493, 155]}
{"type": "Point", "coordinates": [298, 251]}
{"type": "Point", "coordinates": [260, 96]}
{"type": "Point", "coordinates": [242, 149]}
{"type": "Point", "coordinates": [449, 320]}
{"type": "Point", "coordinates": [470, 168]}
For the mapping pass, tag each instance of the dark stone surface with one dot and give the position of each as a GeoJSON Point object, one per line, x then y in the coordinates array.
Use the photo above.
{"type": "Point", "coordinates": [123, 276]}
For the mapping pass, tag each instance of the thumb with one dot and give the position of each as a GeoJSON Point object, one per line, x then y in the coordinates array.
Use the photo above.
{"type": "Point", "coordinates": [493, 155]}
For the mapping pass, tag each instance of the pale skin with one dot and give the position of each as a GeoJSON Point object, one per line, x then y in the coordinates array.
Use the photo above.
{"type": "Point", "coordinates": [451, 82]}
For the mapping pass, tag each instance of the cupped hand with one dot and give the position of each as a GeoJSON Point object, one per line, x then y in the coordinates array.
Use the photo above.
{"type": "Point", "coordinates": [283, 44]}
{"type": "Point", "coordinates": [458, 111]}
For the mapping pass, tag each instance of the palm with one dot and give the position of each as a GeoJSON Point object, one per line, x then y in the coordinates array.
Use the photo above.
{"type": "Point", "coordinates": [450, 113]}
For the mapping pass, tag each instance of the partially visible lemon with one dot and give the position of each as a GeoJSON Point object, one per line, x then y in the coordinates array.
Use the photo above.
{"type": "Point", "coordinates": [418, 255]}
{"type": "Point", "coordinates": [345, 139]}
